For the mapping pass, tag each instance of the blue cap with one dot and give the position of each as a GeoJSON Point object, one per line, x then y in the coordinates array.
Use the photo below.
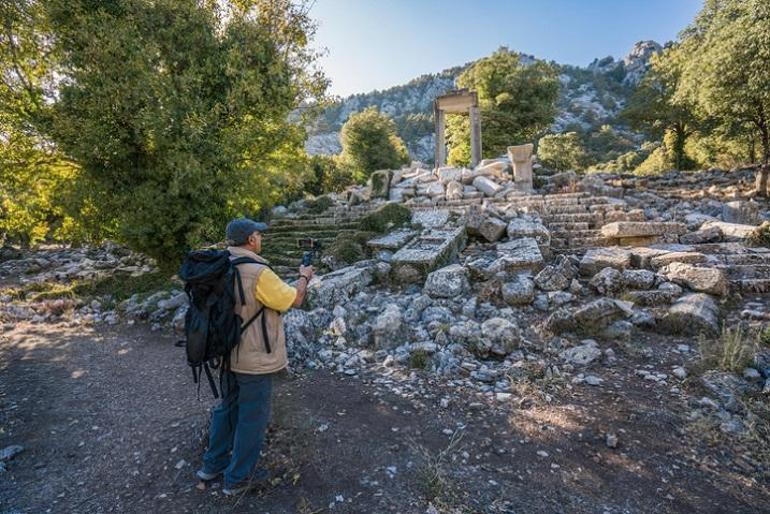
{"type": "Point", "coordinates": [239, 230]}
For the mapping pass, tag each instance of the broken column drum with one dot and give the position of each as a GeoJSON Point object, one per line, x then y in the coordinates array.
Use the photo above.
{"type": "Point", "coordinates": [460, 101]}
{"type": "Point", "coordinates": [521, 158]}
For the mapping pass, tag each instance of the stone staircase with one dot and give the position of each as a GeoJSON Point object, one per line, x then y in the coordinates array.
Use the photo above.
{"type": "Point", "coordinates": [747, 269]}
{"type": "Point", "coordinates": [280, 242]}
{"type": "Point", "coordinates": [574, 219]}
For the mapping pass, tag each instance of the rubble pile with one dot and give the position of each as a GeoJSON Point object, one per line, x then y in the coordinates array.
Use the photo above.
{"type": "Point", "coordinates": [488, 280]}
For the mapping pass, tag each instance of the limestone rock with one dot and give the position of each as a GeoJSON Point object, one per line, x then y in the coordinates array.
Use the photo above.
{"type": "Point", "coordinates": [447, 282]}
{"type": "Point", "coordinates": [502, 335]}
{"type": "Point", "coordinates": [522, 253]}
{"type": "Point", "coordinates": [519, 291]}
{"type": "Point", "coordinates": [339, 286]}
{"type": "Point", "coordinates": [608, 281]}
{"type": "Point", "coordinates": [591, 318]}
{"type": "Point", "coordinates": [708, 235]}
{"type": "Point", "coordinates": [454, 191]}
{"type": "Point", "coordinates": [425, 253]}
{"type": "Point", "coordinates": [705, 280]}
{"type": "Point", "coordinates": [555, 277]}
{"type": "Point", "coordinates": [622, 229]}
{"type": "Point", "coordinates": [582, 355]}
{"type": "Point", "coordinates": [667, 258]}
{"type": "Point", "coordinates": [520, 227]}
{"type": "Point", "coordinates": [638, 278]}
{"type": "Point", "coordinates": [730, 231]}
{"type": "Point", "coordinates": [486, 186]}
{"type": "Point", "coordinates": [693, 314]}
{"type": "Point", "coordinates": [597, 259]}
{"type": "Point", "coordinates": [387, 327]}
{"type": "Point", "coordinates": [434, 218]}
{"type": "Point", "coordinates": [742, 212]}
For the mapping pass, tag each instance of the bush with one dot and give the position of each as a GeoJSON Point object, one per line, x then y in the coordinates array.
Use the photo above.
{"type": "Point", "coordinates": [561, 151]}
{"type": "Point", "coordinates": [760, 236]}
{"type": "Point", "coordinates": [732, 351]}
{"type": "Point", "coordinates": [387, 217]}
{"type": "Point", "coordinates": [370, 143]}
{"type": "Point", "coordinates": [328, 175]}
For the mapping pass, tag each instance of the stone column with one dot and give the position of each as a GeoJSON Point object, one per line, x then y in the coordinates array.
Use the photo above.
{"type": "Point", "coordinates": [521, 157]}
{"type": "Point", "coordinates": [438, 120]}
{"type": "Point", "coordinates": [475, 136]}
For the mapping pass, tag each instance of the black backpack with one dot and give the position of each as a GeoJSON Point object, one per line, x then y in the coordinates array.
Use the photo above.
{"type": "Point", "coordinates": [212, 328]}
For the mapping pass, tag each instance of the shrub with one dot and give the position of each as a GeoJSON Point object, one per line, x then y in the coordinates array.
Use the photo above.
{"type": "Point", "coordinates": [732, 351]}
{"type": "Point", "coordinates": [760, 236]}
{"type": "Point", "coordinates": [370, 143]}
{"type": "Point", "coordinates": [561, 151]}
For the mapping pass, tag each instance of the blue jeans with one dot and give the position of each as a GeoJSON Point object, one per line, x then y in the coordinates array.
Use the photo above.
{"type": "Point", "coordinates": [238, 425]}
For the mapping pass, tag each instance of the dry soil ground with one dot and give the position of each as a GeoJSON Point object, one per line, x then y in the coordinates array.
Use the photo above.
{"type": "Point", "coordinates": [110, 422]}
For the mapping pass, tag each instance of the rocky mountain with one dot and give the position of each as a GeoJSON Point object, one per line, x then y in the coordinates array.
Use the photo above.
{"type": "Point", "coordinates": [591, 96]}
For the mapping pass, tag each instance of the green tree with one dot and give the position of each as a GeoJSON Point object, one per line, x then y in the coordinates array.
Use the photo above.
{"type": "Point", "coordinates": [655, 108]}
{"type": "Point", "coordinates": [35, 178]}
{"type": "Point", "coordinates": [517, 102]}
{"type": "Point", "coordinates": [561, 151]}
{"type": "Point", "coordinates": [178, 113]}
{"type": "Point", "coordinates": [370, 143]}
{"type": "Point", "coordinates": [328, 175]}
{"type": "Point", "coordinates": [727, 68]}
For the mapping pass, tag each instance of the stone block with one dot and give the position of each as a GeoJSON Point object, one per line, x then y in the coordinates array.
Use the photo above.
{"type": "Point", "coordinates": [487, 186]}
{"type": "Point", "coordinates": [730, 231]}
{"type": "Point", "coordinates": [425, 253]}
{"type": "Point", "coordinates": [627, 229]}
{"type": "Point", "coordinates": [597, 259]}
{"type": "Point", "coordinates": [667, 258]}
{"type": "Point", "coordinates": [705, 280]}
{"type": "Point", "coordinates": [433, 218]}
{"type": "Point", "coordinates": [521, 227]}
{"type": "Point", "coordinates": [693, 314]}
{"type": "Point", "coordinates": [522, 253]}
{"type": "Point", "coordinates": [447, 282]}
{"type": "Point", "coordinates": [521, 158]}
{"type": "Point", "coordinates": [392, 241]}
{"type": "Point", "coordinates": [741, 212]}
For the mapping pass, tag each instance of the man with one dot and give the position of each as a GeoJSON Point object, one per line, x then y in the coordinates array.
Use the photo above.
{"type": "Point", "coordinates": [239, 422]}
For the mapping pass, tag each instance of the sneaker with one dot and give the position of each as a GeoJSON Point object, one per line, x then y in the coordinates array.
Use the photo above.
{"type": "Point", "coordinates": [238, 489]}
{"type": "Point", "coordinates": [206, 476]}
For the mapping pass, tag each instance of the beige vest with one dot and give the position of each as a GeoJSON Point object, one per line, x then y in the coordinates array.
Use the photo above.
{"type": "Point", "coordinates": [251, 355]}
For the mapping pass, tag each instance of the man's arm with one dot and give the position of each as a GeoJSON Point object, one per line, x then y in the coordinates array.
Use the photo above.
{"type": "Point", "coordinates": [274, 293]}
{"type": "Point", "coordinates": [305, 274]}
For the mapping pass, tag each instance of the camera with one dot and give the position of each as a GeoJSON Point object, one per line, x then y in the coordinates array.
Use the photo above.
{"type": "Point", "coordinates": [311, 247]}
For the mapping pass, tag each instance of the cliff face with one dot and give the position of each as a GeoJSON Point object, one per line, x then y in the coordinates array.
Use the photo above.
{"type": "Point", "coordinates": [590, 97]}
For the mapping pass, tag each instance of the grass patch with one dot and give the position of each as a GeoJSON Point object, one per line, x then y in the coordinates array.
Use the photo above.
{"type": "Point", "coordinates": [760, 236]}
{"type": "Point", "coordinates": [319, 205]}
{"type": "Point", "coordinates": [418, 359]}
{"type": "Point", "coordinates": [732, 351]}
{"type": "Point", "coordinates": [122, 287]}
{"type": "Point", "coordinates": [433, 470]}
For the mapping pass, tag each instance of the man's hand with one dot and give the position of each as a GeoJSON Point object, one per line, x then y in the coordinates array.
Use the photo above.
{"type": "Point", "coordinates": [307, 272]}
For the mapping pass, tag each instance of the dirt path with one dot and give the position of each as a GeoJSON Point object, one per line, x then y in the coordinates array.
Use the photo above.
{"type": "Point", "coordinates": [110, 422]}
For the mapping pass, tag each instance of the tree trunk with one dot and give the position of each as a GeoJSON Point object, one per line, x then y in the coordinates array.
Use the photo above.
{"type": "Point", "coordinates": [680, 137]}
{"type": "Point", "coordinates": [760, 185]}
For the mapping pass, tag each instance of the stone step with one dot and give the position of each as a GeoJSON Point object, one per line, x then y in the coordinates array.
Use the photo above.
{"type": "Point", "coordinates": [571, 218]}
{"type": "Point", "coordinates": [747, 271]}
{"type": "Point", "coordinates": [565, 209]}
{"type": "Point", "coordinates": [588, 242]}
{"type": "Point", "coordinates": [568, 226]}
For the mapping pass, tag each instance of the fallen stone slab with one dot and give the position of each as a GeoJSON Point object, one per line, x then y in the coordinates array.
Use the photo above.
{"type": "Point", "coordinates": [522, 253]}
{"type": "Point", "coordinates": [730, 231]}
{"type": "Point", "coordinates": [338, 286]}
{"type": "Point", "coordinates": [642, 228]}
{"type": "Point", "coordinates": [433, 218]}
{"type": "Point", "coordinates": [582, 355]}
{"type": "Point", "coordinates": [590, 319]}
{"type": "Point", "coordinates": [487, 186]}
{"type": "Point", "coordinates": [519, 291]}
{"type": "Point", "coordinates": [425, 253]}
{"type": "Point", "coordinates": [667, 258]}
{"type": "Point", "coordinates": [708, 235]}
{"type": "Point", "coordinates": [704, 280]}
{"type": "Point", "coordinates": [392, 241]}
{"type": "Point", "coordinates": [597, 259]}
{"type": "Point", "coordinates": [641, 256]}
{"type": "Point", "coordinates": [693, 314]}
{"type": "Point", "coordinates": [653, 298]}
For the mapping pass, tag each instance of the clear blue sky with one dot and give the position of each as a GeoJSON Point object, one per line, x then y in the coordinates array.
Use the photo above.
{"type": "Point", "coordinates": [377, 44]}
